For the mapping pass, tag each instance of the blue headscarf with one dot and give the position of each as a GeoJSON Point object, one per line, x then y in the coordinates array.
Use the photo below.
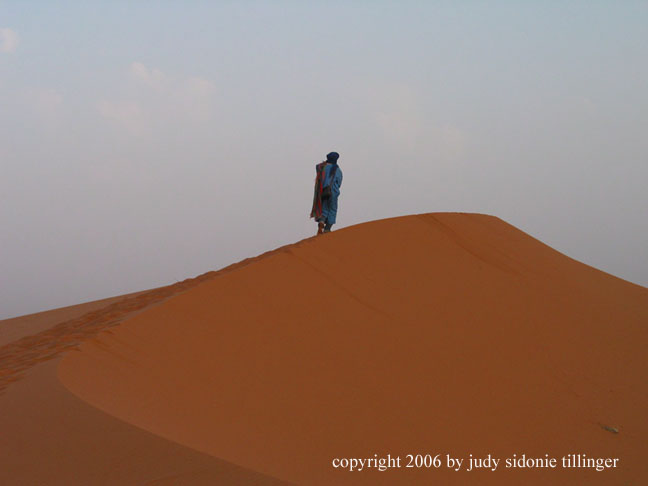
{"type": "Point", "coordinates": [332, 158]}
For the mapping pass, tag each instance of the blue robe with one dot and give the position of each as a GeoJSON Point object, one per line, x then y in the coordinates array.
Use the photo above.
{"type": "Point", "coordinates": [330, 205]}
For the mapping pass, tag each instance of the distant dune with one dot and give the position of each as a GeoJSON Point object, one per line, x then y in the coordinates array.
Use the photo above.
{"type": "Point", "coordinates": [442, 333]}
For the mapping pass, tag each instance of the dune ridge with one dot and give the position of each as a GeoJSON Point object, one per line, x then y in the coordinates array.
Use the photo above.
{"type": "Point", "coordinates": [444, 332]}
{"type": "Point", "coordinates": [46, 335]}
{"type": "Point", "coordinates": [51, 437]}
{"type": "Point", "coordinates": [14, 328]}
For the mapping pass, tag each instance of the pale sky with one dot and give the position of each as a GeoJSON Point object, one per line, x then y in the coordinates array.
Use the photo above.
{"type": "Point", "coordinates": [147, 142]}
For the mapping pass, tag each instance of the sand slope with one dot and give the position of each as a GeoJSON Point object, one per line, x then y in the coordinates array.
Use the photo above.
{"type": "Point", "coordinates": [18, 327]}
{"type": "Point", "coordinates": [50, 437]}
{"type": "Point", "coordinates": [439, 333]}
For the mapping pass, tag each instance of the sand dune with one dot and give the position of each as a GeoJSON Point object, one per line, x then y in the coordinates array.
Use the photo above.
{"type": "Point", "coordinates": [439, 333]}
{"type": "Point", "coordinates": [50, 437]}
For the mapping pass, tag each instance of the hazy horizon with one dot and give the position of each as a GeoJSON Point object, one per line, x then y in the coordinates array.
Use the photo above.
{"type": "Point", "coordinates": [147, 143]}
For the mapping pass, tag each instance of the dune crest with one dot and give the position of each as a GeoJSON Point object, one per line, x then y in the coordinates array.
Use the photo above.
{"type": "Point", "coordinates": [437, 333]}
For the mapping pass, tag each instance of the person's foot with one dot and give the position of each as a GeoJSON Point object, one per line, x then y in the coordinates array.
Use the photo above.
{"type": "Point", "coordinates": [327, 228]}
{"type": "Point", "coordinates": [320, 227]}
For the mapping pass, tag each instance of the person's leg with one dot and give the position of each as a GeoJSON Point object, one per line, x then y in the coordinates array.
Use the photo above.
{"type": "Point", "coordinates": [326, 209]}
{"type": "Point", "coordinates": [331, 213]}
{"type": "Point", "coordinates": [323, 220]}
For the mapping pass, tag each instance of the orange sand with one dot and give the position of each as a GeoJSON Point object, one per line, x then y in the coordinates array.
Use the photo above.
{"type": "Point", "coordinates": [444, 333]}
{"type": "Point", "coordinates": [18, 327]}
{"type": "Point", "coordinates": [438, 333]}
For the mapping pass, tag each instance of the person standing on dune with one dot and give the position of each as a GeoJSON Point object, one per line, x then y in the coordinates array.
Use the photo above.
{"type": "Point", "coordinates": [328, 181]}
